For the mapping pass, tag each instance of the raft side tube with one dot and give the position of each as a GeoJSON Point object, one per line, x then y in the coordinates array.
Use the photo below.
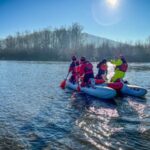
{"type": "Point", "coordinates": [133, 90]}
{"type": "Point", "coordinates": [102, 92]}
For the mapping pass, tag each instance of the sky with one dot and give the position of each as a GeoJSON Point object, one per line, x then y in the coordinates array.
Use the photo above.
{"type": "Point", "coordinates": [120, 20]}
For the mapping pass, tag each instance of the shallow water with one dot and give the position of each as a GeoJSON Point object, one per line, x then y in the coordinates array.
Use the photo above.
{"type": "Point", "coordinates": [35, 114]}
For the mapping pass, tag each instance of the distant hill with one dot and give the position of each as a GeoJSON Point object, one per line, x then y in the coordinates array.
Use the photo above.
{"type": "Point", "coordinates": [97, 41]}
{"type": "Point", "coordinates": [61, 43]}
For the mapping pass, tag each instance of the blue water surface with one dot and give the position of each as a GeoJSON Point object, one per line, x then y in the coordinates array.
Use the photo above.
{"type": "Point", "coordinates": [35, 114]}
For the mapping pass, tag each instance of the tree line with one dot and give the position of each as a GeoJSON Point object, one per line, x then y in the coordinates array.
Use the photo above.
{"type": "Point", "coordinates": [61, 43]}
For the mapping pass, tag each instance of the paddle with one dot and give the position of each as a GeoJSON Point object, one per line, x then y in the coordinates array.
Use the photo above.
{"type": "Point", "coordinates": [78, 87]}
{"type": "Point", "coordinates": [63, 83]}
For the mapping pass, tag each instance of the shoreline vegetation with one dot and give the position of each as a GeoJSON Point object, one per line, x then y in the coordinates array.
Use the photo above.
{"type": "Point", "coordinates": [60, 44]}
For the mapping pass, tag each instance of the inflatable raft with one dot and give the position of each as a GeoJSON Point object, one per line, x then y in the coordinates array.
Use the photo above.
{"type": "Point", "coordinates": [99, 91]}
{"type": "Point", "coordinates": [133, 90]}
{"type": "Point", "coordinates": [127, 89]}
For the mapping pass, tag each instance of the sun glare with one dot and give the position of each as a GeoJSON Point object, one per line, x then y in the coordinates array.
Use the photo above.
{"type": "Point", "coordinates": [112, 3]}
{"type": "Point", "coordinates": [107, 12]}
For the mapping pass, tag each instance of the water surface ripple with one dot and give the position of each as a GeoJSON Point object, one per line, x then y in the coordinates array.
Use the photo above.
{"type": "Point", "coordinates": [35, 114]}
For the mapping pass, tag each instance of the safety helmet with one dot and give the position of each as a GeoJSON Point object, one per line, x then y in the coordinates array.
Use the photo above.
{"type": "Point", "coordinates": [82, 59]}
{"type": "Point", "coordinates": [104, 61]}
{"type": "Point", "coordinates": [74, 58]}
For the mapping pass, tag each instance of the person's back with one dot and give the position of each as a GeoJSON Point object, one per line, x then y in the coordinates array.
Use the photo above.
{"type": "Point", "coordinates": [89, 74]}
{"type": "Point", "coordinates": [73, 69]}
{"type": "Point", "coordinates": [86, 70]}
{"type": "Point", "coordinates": [124, 65]}
{"type": "Point", "coordinates": [102, 72]}
{"type": "Point", "coordinates": [82, 66]}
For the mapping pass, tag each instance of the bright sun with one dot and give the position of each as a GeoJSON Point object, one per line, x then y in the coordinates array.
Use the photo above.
{"type": "Point", "coordinates": [112, 3]}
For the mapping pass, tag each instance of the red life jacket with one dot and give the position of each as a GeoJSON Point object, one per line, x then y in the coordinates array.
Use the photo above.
{"type": "Point", "coordinates": [117, 85]}
{"type": "Point", "coordinates": [102, 70]}
{"type": "Point", "coordinates": [124, 67]}
{"type": "Point", "coordinates": [77, 69]}
{"type": "Point", "coordinates": [88, 68]}
{"type": "Point", "coordinates": [99, 81]}
{"type": "Point", "coordinates": [103, 67]}
{"type": "Point", "coordinates": [82, 66]}
{"type": "Point", "coordinates": [73, 67]}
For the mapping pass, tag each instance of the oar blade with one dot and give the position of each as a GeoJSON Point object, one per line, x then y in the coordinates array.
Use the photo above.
{"type": "Point", "coordinates": [63, 84]}
{"type": "Point", "coordinates": [78, 89]}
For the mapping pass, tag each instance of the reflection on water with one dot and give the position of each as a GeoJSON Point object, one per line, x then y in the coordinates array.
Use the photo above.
{"type": "Point", "coordinates": [36, 114]}
{"type": "Point", "coordinates": [140, 67]}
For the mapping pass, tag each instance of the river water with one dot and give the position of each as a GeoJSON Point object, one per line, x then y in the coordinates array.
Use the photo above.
{"type": "Point", "coordinates": [35, 114]}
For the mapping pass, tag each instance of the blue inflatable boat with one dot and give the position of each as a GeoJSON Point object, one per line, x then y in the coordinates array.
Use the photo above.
{"type": "Point", "coordinates": [127, 89]}
{"type": "Point", "coordinates": [102, 92]}
{"type": "Point", "coordinates": [133, 90]}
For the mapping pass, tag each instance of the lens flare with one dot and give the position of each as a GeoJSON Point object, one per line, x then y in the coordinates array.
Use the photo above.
{"type": "Point", "coordinates": [107, 12]}
{"type": "Point", "coordinates": [112, 3]}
